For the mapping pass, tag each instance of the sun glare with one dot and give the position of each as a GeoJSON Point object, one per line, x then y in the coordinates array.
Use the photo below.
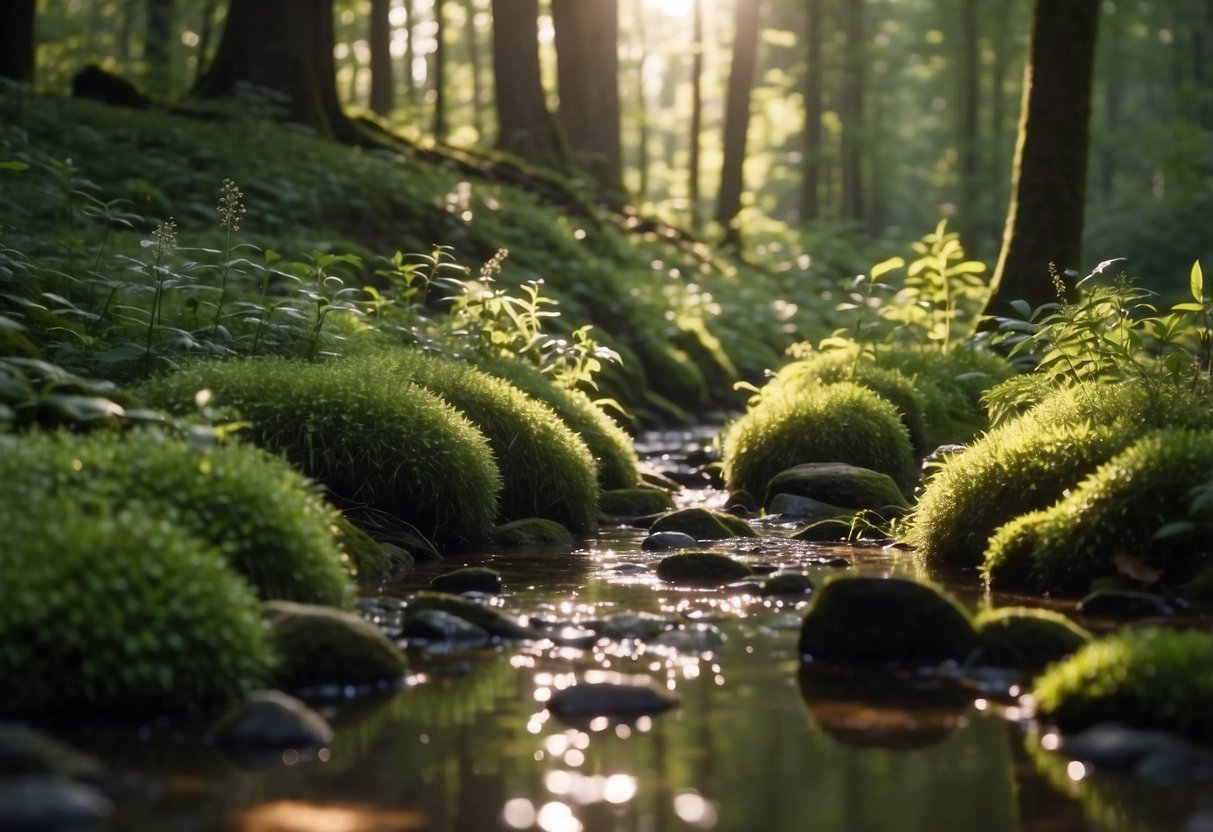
{"type": "Point", "coordinates": [674, 8]}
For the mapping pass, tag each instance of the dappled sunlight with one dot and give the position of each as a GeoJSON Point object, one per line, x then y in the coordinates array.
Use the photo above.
{"type": "Point", "coordinates": [293, 816]}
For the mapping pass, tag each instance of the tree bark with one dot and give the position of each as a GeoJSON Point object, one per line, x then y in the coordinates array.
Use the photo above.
{"type": "Point", "coordinates": [206, 28]}
{"type": "Point", "coordinates": [440, 119]}
{"type": "Point", "coordinates": [587, 72]}
{"type": "Point", "coordinates": [695, 138]}
{"type": "Point", "coordinates": [410, 30]}
{"type": "Point", "coordinates": [285, 46]}
{"type": "Point", "coordinates": [158, 45]}
{"type": "Point", "coordinates": [810, 199]}
{"type": "Point", "coordinates": [525, 126]}
{"type": "Point", "coordinates": [852, 114]}
{"type": "Point", "coordinates": [383, 82]}
{"type": "Point", "coordinates": [969, 216]}
{"type": "Point", "coordinates": [17, 40]}
{"type": "Point", "coordinates": [1045, 218]}
{"type": "Point", "coordinates": [472, 36]}
{"type": "Point", "coordinates": [737, 117]}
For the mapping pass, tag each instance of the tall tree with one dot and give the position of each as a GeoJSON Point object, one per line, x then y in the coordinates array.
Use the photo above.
{"type": "Point", "coordinates": [17, 40]}
{"type": "Point", "coordinates": [969, 218]}
{"type": "Point", "coordinates": [810, 199]}
{"type": "Point", "coordinates": [206, 29]}
{"type": "Point", "coordinates": [696, 136]}
{"type": "Point", "coordinates": [587, 75]}
{"type": "Point", "coordinates": [746, 17]}
{"type": "Point", "coordinates": [525, 127]}
{"type": "Point", "coordinates": [285, 46]}
{"type": "Point", "coordinates": [410, 50]}
{"type": "Point", "coordinates": [472, 41]}
{"type": "Point", "coordinates": [1045, 218]}
{"type": "Point", "coordinates": [851, 110]}
{"type": "Point", "coordinates": [383, 82]}
{"type": "Point", "coordinates": [439, 64]}
{"type": "Point", "coordinates": [158, 44]}
{"type": "Point", "coordinates": [643, 123]}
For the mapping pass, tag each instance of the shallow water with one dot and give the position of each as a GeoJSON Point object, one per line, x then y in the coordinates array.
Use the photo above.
{"type": "Point", "coordinates": [757, 742]}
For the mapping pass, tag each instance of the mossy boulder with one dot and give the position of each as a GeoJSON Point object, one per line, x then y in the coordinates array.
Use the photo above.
{"type": "Point", "coordinates": [635, 502]}
{"type": "Point", "coordinates": [865, 620]}
{"type": "Point", "coordinates": [1026, 638]}
{"type": "Point", "coordinates": [486, 618]}
{"type": "Point", "coordinates": [1199, 591]}
{"type": "Point", "coordinates": [368, 559]}
{"type": "Point", "coordinates": [839, 484]}
{"type": "Point", "coordinates": [833, 423]}
{"type": "Point", "coordinates": [531, 531]}
{"type": "Point", "coordinates": [268, 521]}
{"type": "Point", "coordinates": [1116, 510]}
{"type": "Point", "coordinates": [703, 524]}
{"type": "Point", "coordinates": [122, 613]}
{"type": "Point", "coordinates": [707, 568]}
{"type": "Point", "coordinates": [1142, 677]}
{"type": "Point", "coordinates": [355, 427]}
{"type": "Point", "coordinates": [26, 752]}
{"type": "Point", "coordinates": [787, 584]}
{"type": "Point", "coordinates": [321, 646]}
{"type": "Point", "coordinates": [468, 579]}
{"type": "Point", "coordinates": [271, 719]}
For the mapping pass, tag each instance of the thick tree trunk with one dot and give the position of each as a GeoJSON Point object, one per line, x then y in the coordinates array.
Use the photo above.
{"type": "Point", "coordinates": [383, 82]}
{"type": "Point", "coordinates": [587, 72]}
{"type": "Point", "coordinates": [969, 216]}
{"type": "Point", "coordinates": [440, 120]}
{"type": "Point", "coordinates": [410, 53]}
{"type": "Point", "coordinates": [158, 45]}
{"type": "Point", "coordinates": [525, 127]}
{"type": "Point", "coordinates": [17, 40]}
{"type": "Point", "coordinates": [737, 117]}
{"type": "Point", "coordinates": [695, 137]}
{"type": "Point", "coordinates": [472, 36]}
{"type": "Point", "coordinates": [852, 114]}
{"type": "Point", "coordinates": [206, 28]}
{"type": "Point", "coordinates": [1044, 222]}
{"type": "Point", "coordinates": [810, 200]}
{"type": "Point", "coordinates": [285, 46]}
{"type": "Point", "coordinates": [642, 117]}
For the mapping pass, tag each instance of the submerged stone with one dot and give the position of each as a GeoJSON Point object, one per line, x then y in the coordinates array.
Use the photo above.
{"type": "Point", "coordinates": [439, 625]}
{"type": "Point", "coordinates": [468, 579]}
{"type": "Point", "coordinates": [590, 699]}
{"type": "Point", "coordinates": [488, 619]}
{"type": "Point", "coordinates": [325, 646]}
{"type": "Point", "coordinates": [1121, 604]}
{"type": "Point", "coordinates": [788, 583]}
{"type": "Point", "coordinates": [633, 625]}
{"type": "Point", "coordinates": [701, 568]}
{"type": "Point", "coordinates": [532, 531]}
{"type": "Point", "coordinates": [806, 509]}
{"type": "Point", "coordinates": [692, 638]}
{"type": "Point", "coordinates": [666, 541]}
{"type": "Point", "coordinates": [635, 502]}
{"type": "Point", "coordinates": [702, 524]}
{"type": "Point", "coordinates": [271, 719]}
{"type": "Point", "coordinates": [26, 752]}
{"type": "Point", "coordinates": [36, 803]}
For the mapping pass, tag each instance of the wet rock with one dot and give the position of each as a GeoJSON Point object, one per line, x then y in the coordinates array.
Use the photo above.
{"type": "Point", "coordinates": [1153, 755]}
{"type": "Point", "coordinates": [744, 587]}
{"type": "Point", "coordinates": [692, 638]}
{"type": "Point", "coordinates": [838, 484]}
{"type": "Point", "coordinates": [635, 502]}
{"type": "Point", "coordinates": [1026, 638]}
{"type": "Point", "coordinates": [271, 719]}
{"type": "Point", "coordinates": [468, 579]}
{"type": "Point", "coordinates": [629, 569]}
{"type": "Point", "coordinates": [26, 752]}
{"type": "Point", "coordinates": [865, 620]}
{"type": "Point", "coordinates": [702, 524]}
{"type": "Point", "coordinates": [806, 509]}
{"type": "Point", "coordinates": [1199, 591]}
{"type": "Point", "coordinates": [325, 646]}
{"type": "Point", "coordinates": [708, 568]}
{"type": "Point", "coordinates": [438, 625]}
{"type": "Point", "coordinates": [822, 531]}
{"type": "Point", "coordinates": [590, 699]}
{"type": "Point", "coordinates": [667, 541]}
{"type": "Point", "coordinates": [764, 568]}
{"type": "Point", "coordinates": [532, 531]}
{"type": "Point", "coordinates": [570, 635]}
{"type": "Point", "coordinates": [1119, 604]}
{"type": "Point", "coordinates": [632, 625]}
{"type": "Point", "coordinates": [486, 618]}
{"type": "Point", "coordinates": [1202, 822]}
{"type": "Point", "coordinates": [37, 804]}
{"type": "Point", "coordinates": [741, 504]}
{"type": "Point", "coordinates": [788, 583]}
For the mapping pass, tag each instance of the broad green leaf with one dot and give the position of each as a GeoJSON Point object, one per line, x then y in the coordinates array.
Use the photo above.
{"type": "Point", "coordinates": [1196, 282]}
{"type": "Point", "coordinates": [886, 266]}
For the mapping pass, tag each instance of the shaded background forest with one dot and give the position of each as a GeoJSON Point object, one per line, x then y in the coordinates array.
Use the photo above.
{"type": "Point", "coordinates": [869, 119]}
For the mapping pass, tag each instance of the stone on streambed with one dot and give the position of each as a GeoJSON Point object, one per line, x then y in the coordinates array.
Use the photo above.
{"type": "Point", "coordinates": [325, 646]}
{"type": "Point", "coordinates": [668, 541]}
{"type": "Point", "coordinates": [691, 638]}
{"type": "Point", "coordinates": [862, 620]}
{"type": "Point", "coordinates": [1154, 755]}
{"type": "Point", "coordinates": [635, 502]}
{"type": "Point", "coordinates": [633, 625]}
{"type": "Point", "coordinates": [271, 719]}
{"type": "Point", "coordinates": [787, 584]}
{"type": "Point", "coordinates": [468, 579]}
{"type": "Point", "coordinates": [703, 524]}
{"type": "Point", "coordinates": [26, 752]}
{"type": "Point", "coordinates": [1026, 638]}
{"type": "Point", "coordinates": [439, 625]}
{"type": "Point", "coordinates": [37, 803]}
{"type": "Point", "coordinates": [1123, 604]}
{"type": "Point", "coordinates": [806, 509]}
{"type": "Point", "coordinates": [848, 487]}
{"type": "Point", "coordinates": [703, 568]}
{"type": "Point", "coordinates": [531, 531]}
{"type": "Point", "coordinates": [486, 618]}
{"type": "Point", "coordinates": [611, 699]}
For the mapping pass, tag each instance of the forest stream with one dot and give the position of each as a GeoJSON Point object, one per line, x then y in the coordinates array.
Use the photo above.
{"type": "Point", "coordinates": [758, 741]}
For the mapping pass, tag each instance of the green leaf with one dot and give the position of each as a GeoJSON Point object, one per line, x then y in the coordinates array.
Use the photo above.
{"type": "Point", "coordinates": [1175, 529]}
{"type": "Point", "coordinates": [886, 266]}
{"type": "Point", "coordinates": [1196, 282]}
{"type": "Point", "coordinates": [12, 164]}
{"type": "Point", "coordinates": [1187, 306]}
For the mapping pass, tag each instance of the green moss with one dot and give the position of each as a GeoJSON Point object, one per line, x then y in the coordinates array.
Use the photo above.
{"type": "Point", "coordinates": [952, 385]}
{"type": "Point", "coordinates": [704, 568]}
{"type": "Point", "coordinates": [1118, 509]}
{"type": "Point", "coordinates": [635, 502]}
{"type": "Point", "coordinates": [531, 531]}
{"type": "Point", "coordinates": [322, 646]}
{"type": "Point", "coordinates": [1146, 678]}
{"type": "Point", "coordinates": [267, 520]}
{"type": "Point", "coordinates": [1024, 637]}
{"type": "Point", "coordinates": [703, 524]}
{"type": "Point", "coordinates": [838, 484]}
{"type": "Point", "coordinates": [371, 439]}
{"type": "Point", "coordinates": [367, 557]}
{"type": "Point", "coordinates": [120, 613]}
{"type": "Point", "coordinates": [833, 423]}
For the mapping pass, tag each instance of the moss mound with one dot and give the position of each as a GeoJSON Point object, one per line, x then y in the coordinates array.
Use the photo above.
{"type": "Point", "coordinates": [468, 579]}
{"type": "Point", "coordinates": [952, 386]}
{"type": "Point", "coordinates": [546, 470]}
{"type": "Point", "coordinates": [321, 646]}
{"type": "Point", "coordinates": [866, 620]}
{"type": "Point", "coordinates": [833, 423]}
{"type": "Point", "coordinates": [122, 614]}
{"type": "Point", "coordinates": [1027, 638]}
{"type": "Point", "coordinates": [268, 521]}
{"type": "Point", "coordinates": [486, 618]}
{"type": "Point", "coordinates": [635, 502]}
{"type": "Point", "coordinates": [701, 568]}
{"type": "Point", "coordinates": [1117, 509]}
{"type": "Point", "coordinates": [1146, 678]}
{"type": "Point", "coordinates": [396, 447]}
{"type": "Point", "coordinates": [838, 484]}
{"type": "Point", "coordinates": [703, 524]}
{"type": "Point", "coordinates": [531, 531]}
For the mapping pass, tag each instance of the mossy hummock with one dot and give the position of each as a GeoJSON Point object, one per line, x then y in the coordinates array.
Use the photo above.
{"type": "Point", "coordinates": [703, 524]}
{"type": "Point", "coordinates": [1025, 637]}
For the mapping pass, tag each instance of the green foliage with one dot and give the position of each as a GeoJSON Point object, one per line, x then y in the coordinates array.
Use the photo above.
{"type": "Point", "coordinates": [952, 385]}
{"type": "Point", "coordinates": [834, 423]}
{"type": "Point", "coordinates": [1137, 504]}
{"type": "Point", "coordinates": [1146, 678]}
{"type": "Point", "coordinates": [269, 523]}
{"type": "Point", "coordinates": [121, 612]}
{"type": "Point", "coordinates": [364, 434]}
{"type": "Point", "coordinates": [1027, 638]}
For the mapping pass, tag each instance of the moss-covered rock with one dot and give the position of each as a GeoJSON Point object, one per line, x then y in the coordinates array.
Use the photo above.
{"type": "Point", "coordinates": [468, 579]}
{"type": "Point", "coordinates": [833, 423]}
{"type": "Point", "coordinates": [635, 502]}
{"type": "Point", "coordinates": [486, 618]}
{"type": "Point", "coordinates": [1146, 678]}
{"type": "Point", "coordinates": [839, 484]}
{"type": "Point", "coordinates": [952, 385]}
{"type": "Point", "coordinates": [867, 620]}
{"type": "Point", "coordinates": [703, 524]}
{"type": "Point", "coordinates": [1025, 637]}
{"type": "Point", "coordinates": [531, 531]}
{"type": "Point", "coordinates": [320, 646]}
{"type": "Point", "coordinates": [1117, 509]}
{"type": "Point", "coordinates": [356, 428]}
{"type": "Point", "coordinates": [707, 568]}
{"type": "Point", "coordinates": [26, 752]}
{"type": "Point", "coordinates": [788, 583]}
{"type": "Point", "coordinates": [368, 559]}
{"type": "Point", "coordinates": [269, 522]}
{"type": "Point", "coordinates": [1199, 590]}
{"type": "Point", "coordinates": [122, 613]}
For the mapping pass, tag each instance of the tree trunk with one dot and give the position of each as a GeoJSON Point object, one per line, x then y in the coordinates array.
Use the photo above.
{"type": "Point", "coordinates": [472, 35]}
{"type": "Point", "coordinates": [697, 47]}
{"type": "Point", "coordinates": [587, 72]}
{"type": "Point", "coordinates": [206, 28]}
{"type": "Point", "coordinates": [969, 217]}
{"type": "Point", "coordinates": [1045, 218]}
{"type": "Point", "coordinates": [810, 200]}
{"type": "Point", "coordinates": [851, 111]}
{"type": "Point", "coordinates": [383, 83]}
{"type": "Point", "coordinates": [440, 120]}
{"type": "Point", "coordinates": [737, 117]}
{"type": "Point", "coordinates": [17, 40]}
{"type": "Point", "coordinates": [524, 125]}
{"type": "Point", "coordinates": [410, 30]}
{"type": "Point", "coordinates": [642, 116]}
{"type": "Point", "coordinates": [158, 46]}
{"type": "Point", "coordinates": [285, 46]}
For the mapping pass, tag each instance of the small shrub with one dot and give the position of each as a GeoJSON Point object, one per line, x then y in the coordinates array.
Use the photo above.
{"type": "Point", "coordinates": [835, 423]}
